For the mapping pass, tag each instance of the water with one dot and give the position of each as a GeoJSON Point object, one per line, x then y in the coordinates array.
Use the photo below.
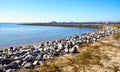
{"type": "Point", "coordinates": [16, 35]}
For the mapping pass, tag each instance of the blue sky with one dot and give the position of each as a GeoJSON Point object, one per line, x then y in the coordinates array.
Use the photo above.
{"type": "Point", "coordinates": [59, 10]}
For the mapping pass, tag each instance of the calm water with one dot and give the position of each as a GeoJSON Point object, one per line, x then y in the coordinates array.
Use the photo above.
{"type": "Point", "coordinates": [15, 35]}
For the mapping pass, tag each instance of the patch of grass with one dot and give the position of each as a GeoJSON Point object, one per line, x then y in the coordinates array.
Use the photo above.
{"type": "Point", "coordinates": [116, 68]}
{"type": "Point", "coordinates": [73, 63]}
{"type": "Point", "coordinates": [117, 36]}
{"type": "Point", "coordinates": [84, 45]}
{"type": "Point", "coordinates": [105, 44]}
{"type": "Point", "coordinates": [91, 56]}
{"type": "Point", "coordinates": [108, 44]}
{"type": "Point", "coordinates": [117, 25]}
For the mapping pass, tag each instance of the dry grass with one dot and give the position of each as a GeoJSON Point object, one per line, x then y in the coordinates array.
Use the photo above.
{"type": "Point", "coordinates": [117, 25]}
{"type": "Point", "coordinates": [97, 57]}
{"type": "Point", "coordinates": [117, 36]}
{"type": "Point", "coordinates": [90, 56]}
{"type": "Point", "coordinates": [108, 45]}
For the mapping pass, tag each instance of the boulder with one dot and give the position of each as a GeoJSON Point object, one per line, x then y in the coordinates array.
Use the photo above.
{"type": "Point", "coordinates": [70, 45]}
{"type": "Point", "coordinates": [32, 49]}
{"type": "Point", "coordinates": [60, 46]}
{"type": "Point", "coordinates": [1, 70]}
{"type": "Point", "coordinates": [29, 65]}
{"type": "Point", "coordinates": [35, 53]}
{"type": "Point", "coordinates": [29, 58]}
{"type": "Point", "coordinates": [66, 50]}
{"type": "Point", "coordinates": [23, 63]}
{"type": "Point", "coordinates": [5, 61]}
{"type": "Point", "coordinates": [12, 65]}
{"type": "Point", "coordinates": [73, 50]}
{"type": "Point", "coordinates": [23, 52]}
{"type": "Point", "coordinates": [9, 70]}
{"type": "Point", "coordinates": [19, 62]}
{"type": "Point", "coordinates": [39, 57]}
{"type": "Point", "coordinates": [36, 62]}
{"type": "Point", "coordinates": [18, 58]}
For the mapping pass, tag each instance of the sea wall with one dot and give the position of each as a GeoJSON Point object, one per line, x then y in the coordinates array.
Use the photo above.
{"type": "Point", "coordinates": [15, 58]}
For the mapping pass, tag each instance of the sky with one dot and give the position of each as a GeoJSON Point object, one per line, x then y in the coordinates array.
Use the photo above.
{"type": "Point", "coordinates": [59, 10]}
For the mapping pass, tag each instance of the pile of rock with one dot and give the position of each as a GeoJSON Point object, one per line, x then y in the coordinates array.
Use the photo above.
{"type": "Point", "coordinates": [29, 56]}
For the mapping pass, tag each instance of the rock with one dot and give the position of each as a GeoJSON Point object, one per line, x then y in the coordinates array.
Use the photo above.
{"type": "Point", "coordinates": [44, 56]}
{"type": "Point", "coordinates": [60, 46]}
{"type": "Point", "coordinates": [15, 49]}
{"type": "Point", "coordinates": [29, 65]}
{"type": "Point", "coordinates": [12, 65]}
{"type": "Point", "coordinates": [11, 48]}
{"type": "Point", "coordinates": [35, 53]}
{"type": "Point", "coordinates": [73, 50]}
{"type": "Point", "coordinates": [36, 62]}
{"type": "Point", "coordinates": [19, 62]}
{"type": "Point", "coordinates": [70, 45]}
{"type": "Point", "coordinates": [23, 52]}
{"type": "Point", "coordinates": [1, 70]}
{"type": "Point", "coordinates": [1, 51]}
{"type": "Point", "coordinates": [18, 58]}
{"type": "Point", "coordinates": [66, 50]}
{"type": "Point", "coordinates": [40, 57]}
{"type": "Point", "coordinates": [41, 62]}
{"type": "Point", "coordinates": [32, 49]}
{"type": "Point", "coordinates": [9, 70]}
{"type": "Point", "coordinates": [17, 53]}
{"type": "Point", "coordinates": [23, 63]}
{"type": "Point", "coordinates": [5, 61]}
{"type": "Point", "coordinates": [29, 58]}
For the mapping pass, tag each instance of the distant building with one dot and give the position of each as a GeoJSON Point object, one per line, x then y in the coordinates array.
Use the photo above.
{"type": "Point", "coordinates": [53, 22]}
{"type": "Point", "coordinates": [107, 23]}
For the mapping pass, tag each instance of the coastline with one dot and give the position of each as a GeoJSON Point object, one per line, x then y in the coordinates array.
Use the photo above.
{"type": "Point", "coordinates": [33, 43]}
{"type": "Point", "coordinates": [41, 37]}
{"type": "Point", "coordinates": [100, 56]}
{"type": "Point", "coordinates": [66, 25]}
{"type": "Point", "coordinates": [72, 47]}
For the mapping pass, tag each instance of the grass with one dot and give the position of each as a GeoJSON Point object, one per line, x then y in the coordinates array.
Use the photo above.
{"type": "Point", "coordinates": [117, 36]}
{"type": "Point", "coordinates": [117, 25]}
{"type": "Point", "coordinates": [116, 69]}
{"type": "Point", "coordinates": [108, 45]}
{"type": "Point", "coordinates": [90, 56]}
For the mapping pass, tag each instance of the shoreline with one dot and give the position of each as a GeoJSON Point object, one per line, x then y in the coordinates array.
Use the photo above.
{"type": "Point", "coordinates": [61, 25]}
{"type": "Point", "coordinates": [66, 25]}
{"type": "Point", "coordinates": [30, 56]}
{"type": "Point", "coordinates": [100, 56]}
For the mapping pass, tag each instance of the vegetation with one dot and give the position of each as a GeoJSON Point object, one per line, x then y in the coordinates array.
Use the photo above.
{"type": "Point", "coordinates": [90, 55]}
{"type": "Point", "coordinates": [117, 25]}
{"type": "Point", "coordinates": [67, 25]}
{"type": "Point", "coordinates": [117, 36]}
{"type": "Point", "coordinates": [73, 63]}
